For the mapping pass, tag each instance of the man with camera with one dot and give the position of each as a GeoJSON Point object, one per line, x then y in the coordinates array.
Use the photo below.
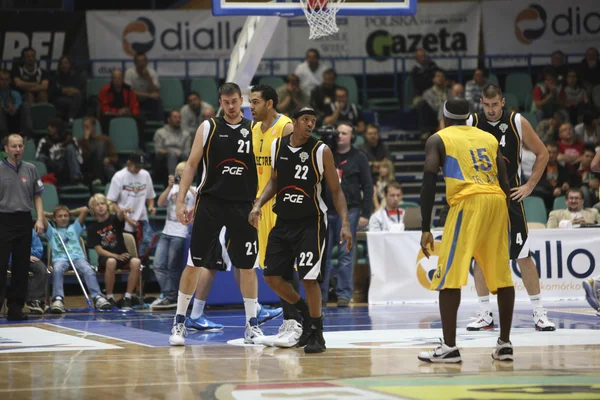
{"type": "Point", "coordinates": [357, 184]}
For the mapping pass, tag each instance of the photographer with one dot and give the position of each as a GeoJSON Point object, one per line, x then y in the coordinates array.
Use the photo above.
{"type": "Point", "coordinates": [168, 260]}
{"type": "Point", "coordinates": [355, 178]}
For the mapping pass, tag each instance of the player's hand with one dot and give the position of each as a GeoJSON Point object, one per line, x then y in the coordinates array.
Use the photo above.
{"type": "Point", "coordinates": [519, 193]}
{"type": "Point", "coordinates": [255, 215]}
{"type": "Point", "coordinates": [427, 240]}
{"type": "Point", "coordinates": [363, 223]}
{"type": "Point", "coordinates": [346, 234]}
{"type": "Point", "coordinates": [557, 192]}
{"type": "Point", "coordinates": [184, 215]}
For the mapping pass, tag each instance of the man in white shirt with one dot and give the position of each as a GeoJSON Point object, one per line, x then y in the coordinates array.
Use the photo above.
{"type": "Point", "coordinates": [390, 217]}
{"type": "Point", "coordinates": [311, 71]}
{"type": "Point", "coordinates": [144, 82]}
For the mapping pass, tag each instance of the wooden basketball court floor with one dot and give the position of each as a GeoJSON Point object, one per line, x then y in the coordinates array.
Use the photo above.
{"type": "Point", "coordinates": [372, 354]}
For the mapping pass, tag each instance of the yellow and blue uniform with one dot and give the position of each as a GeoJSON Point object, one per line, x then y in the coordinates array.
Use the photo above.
{"type": "Point", "coordinates": [261, 142]}
{"type": "Point", "coordinates": [477, 223]}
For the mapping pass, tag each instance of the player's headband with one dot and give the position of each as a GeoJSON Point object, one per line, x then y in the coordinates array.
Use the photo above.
{"type": "Point", "coordinates": [304, 111]}
{"type": "Point", "coordinates": [451, 115]}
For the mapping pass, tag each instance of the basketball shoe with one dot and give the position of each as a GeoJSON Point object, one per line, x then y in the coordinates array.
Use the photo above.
{"type": "Point", "coordinates": [443, 354]}
{"type": "Point", "coordinates": [202, 324]}
{"type": "Point", "coordinates": [592, 292]}
{"type": "Point", "coordinates": [288, 335]}
{"type": "Point", "coordinates": [264, 314]}
{"type": "Point", "coordinates": [541, 321]}
{"type": "Point", "coordinates": [253, 332]}
{"type": "Point", "coordinates": [178, 332]}
{"type": "Point", "coordinates": [503, 352]}
{"type": "Point", "coordinates": [483, 322]}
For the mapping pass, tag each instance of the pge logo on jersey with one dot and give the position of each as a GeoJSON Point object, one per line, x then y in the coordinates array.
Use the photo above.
{"type": "Point", "coordinates": [237, 167]}
{"type": "Point", "coordinates": [427, 267]}
{"type": "Point", "coordinates": [530, 24]}
{"type": "Point", "coordinates": [139, 36]}
{"type": "Point", "coordinates": [296, 197]}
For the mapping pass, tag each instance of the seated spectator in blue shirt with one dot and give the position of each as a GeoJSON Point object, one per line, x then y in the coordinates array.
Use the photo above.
{"type": "Point", "coordinates": [15, 116]}
{"type": "Point", "coordinates": [60, 260]}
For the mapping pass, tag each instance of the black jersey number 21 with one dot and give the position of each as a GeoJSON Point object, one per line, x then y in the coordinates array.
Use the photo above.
{"type": "Point", "coordinates": [482, 162]}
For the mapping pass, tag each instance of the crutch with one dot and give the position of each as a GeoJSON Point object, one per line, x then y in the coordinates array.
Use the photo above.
{"type": "Point", "coordinates": [87, 298]}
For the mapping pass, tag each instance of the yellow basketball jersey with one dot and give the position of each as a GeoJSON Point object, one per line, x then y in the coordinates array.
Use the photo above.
{"type": "Point", "coordinates": [470, 165]}
{"type": "Point", "coordinates": [261, 142]}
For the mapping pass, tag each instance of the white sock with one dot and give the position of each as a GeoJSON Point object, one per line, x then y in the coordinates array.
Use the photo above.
{"type": "Point", "coordinates": [484, 303]}
{"type": "Point", "coordinates": [536, 301]}
{"type": "Point", "coordinates": [110, 296]}
{"type": "Point", "coordinates": [250, 307]}
{"type": "Point", "coordinates": [198, 308]}
{"type": "Point", "coordinates": [127, 295]}
{"type": "Point", "coordinates": [183, 301]}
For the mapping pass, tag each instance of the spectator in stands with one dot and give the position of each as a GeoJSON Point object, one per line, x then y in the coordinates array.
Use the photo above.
{"type": "Point", "coordinates": [15, 116]}
{"type": "Point", "coordinates": [291, 95]}
{"type": "Point", "coordinates": [69, 235]}
{"type": "Point", "coordinates": [390, 217]}
{"type": "Point", "coordinates": [343, 110]}
{"type": "Point", "coordinates": [457, 90]}
{"type": "Point", "coordinates": [132, 188]}
{"type": "Point", "coordinates": [67, 88]}
{"type": "Point", "coordinates": [589, 70]}
{"type": "Point", "coordinates": [546, 97]}
{"type": "Point", "coordinates": [570, 150]}
{"type": "Point", "coordinates": [588, 131]}
{"type": "Point", "coordinates": [385, 175]}
{"type": "Point", "coordinates": [423, 72]}
{"type": "Point", "coordinates": [61, 154]}
{"type": "Point", "coordinates": [574, 214]}
{"type": "Point", "coordinates": [590, 181]}
{"type": "Point", "coordinates": [357, 185]}
{"type": "Point", "coordinates": [475, 87]}
{"type": "Point", "coordinates": [375, 148]}
{"type": "Point", "coordinates": [429, 108]}
{"type": "Point", "coordinates": [560, 67]}
{"type": "Point", "coordinates": [38, 278]}
{"type": "Point", "coordinates": [323, 95]}
{"type": "Point", "coordinates": [100, 159]}
{"type": "Point", "coordinates": [168, 260]}
{"type": "Point", "coordinates": [194, 112]}
{"type": "Point", "coordinates": [29, 79]}
{"type": "Point", "coordinates": [172, 144]}
{"type": "Point", "coordinates": [312, 71]}
{"type": "Point", "coordinates": [556, 179]}
{"type": "Point", "coordinates": [573, 97]}
{"type": "Point", "coordinates": [547, 129]}
{"type": "Point", "coordinates": [117, 100]}
{"type": "Point", "coordinates": [144, 82]}
{"type": "Point", "coordinates": [106, 237]}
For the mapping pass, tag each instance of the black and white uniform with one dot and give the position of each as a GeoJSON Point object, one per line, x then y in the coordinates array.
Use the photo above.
{"type": "Point", "coordinates": [225, 195]}
{"type": "Point", "coordinates": [507, 131]}
{"type": "Point", "coordinates": [300, 232]}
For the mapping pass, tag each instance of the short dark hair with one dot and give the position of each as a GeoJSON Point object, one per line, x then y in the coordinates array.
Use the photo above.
{"type": "Point", "coordinates": [138, 54]}
{"type": "Point", "coordinates": [293, 77]}
{"type": "Point", "coordinates": [229, 88]}
{"type": "Point", "coordinates": [193, 93]}
{"type": "Point", "coordinates": [439, 71]}
{"type": "Point", "coordinates": [574, 190]}
{"type": "Point", "coordinates": [490, 91]}
{"type": "Point", "coordinates": [27, 49]}
{"type": "Point", "coordinates": [57, 123]}
{"type": "Point", "coordinates": [330, 71]}
{"type": "Point", "coordinates": [174, 110]}
{"type": "Point", "coordinates": [559, 116]}
{"type": "Point", "coordinates": [267, 92]}
{"type": "Point", "coordinates": [484, 71]}
{"type": "Point", "coordinates": [314, 51]}
{"type": "Point", "coordinates": [589, 148]}
{"type": "Point", "coordinates": [392, 185]}
{"type": "Point", "coordinates": [371, 125]}
{"type": "Point", "coordinates": [342, 88]}
{"type": "Point", "coordinates": [551, 144]}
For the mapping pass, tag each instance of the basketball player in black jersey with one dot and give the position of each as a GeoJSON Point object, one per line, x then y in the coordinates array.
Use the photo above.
{"type": "Point", "coordinates": [299, 165]}
{"type": "Point", "coordinates": [225, 195]}
{"type": "Point", "coordinates": [512, 131]}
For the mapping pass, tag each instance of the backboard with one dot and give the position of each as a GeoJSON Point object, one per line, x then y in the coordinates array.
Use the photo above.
{"type": "Point", "coordinates": [283, 8]}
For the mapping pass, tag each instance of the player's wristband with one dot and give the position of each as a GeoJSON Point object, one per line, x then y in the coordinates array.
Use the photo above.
{"type": "Point", "coordinates": [427, 200]}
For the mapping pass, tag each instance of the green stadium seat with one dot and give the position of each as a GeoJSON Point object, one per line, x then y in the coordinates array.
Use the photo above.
{"type": "Point", "coordinates": [349, 83]}
{"type": "Point", "coordinates": [560, 203]}
{"type": "Point", "coordinates": [273, 81]}
{"type": "Point", "coordinates": [30, 150]}
{"type": "Point", "coordinates": [41, 167]}
{"type": "Point", "coordinates": [535, 209]}
{"type": "Point", "coordinates": [493, 79]}
{"type": "Point", "coordinates": [519, 83]}
{"type": "Point", "coordinates": [50, 197]}
{"type": "Point", "coordinates": [94, 85]}
{"type": "Point", "coordinates": [511, 101]}
{"type": "Point", "coordinates": [70, 194]}
{"type": "Point", "coordinates": [530, 116]}
{"type": "Point", "coordinates": [408, 204]}
{"type": "Point", "coordinates": [123, 133]}
{"type": "Point", "coordinates": [408, 91]}
{"type": "Point", "coordinates": [207, 89]}
{"type": "Point", "coordinates": [40, 114]}
{"type": "Point", "coordinates": [171, 93]}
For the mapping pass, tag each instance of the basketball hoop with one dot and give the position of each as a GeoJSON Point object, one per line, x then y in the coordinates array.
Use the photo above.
{"type": "Point", "coordinates": [320, 15]}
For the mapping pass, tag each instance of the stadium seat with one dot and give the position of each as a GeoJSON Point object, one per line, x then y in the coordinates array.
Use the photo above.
{"type": "Point", "coordinates": [74, 196]}
{"type": "Point", "coordinates": [94, 85]}
{"type": "Point", "coordinates": [123, 133]}
{"type": "Point", "coordinates": [30, 150]}
{"type": "Point", "coordinates": [273, 81]}
{"type": "Point", "coordinates": [208, 90]}
{"type": "Point", "coordinates": [535, 209]}
{"type": "Point", "coordinates": [560, 203]}
{"type": "Point", "coordinates": [511, 101]}
{"type": "Point", "coordinates": [40, 114]}
{"type": "Point", "coordinates": [530, 116]}
{"type": "Point", "coordinates": [77, 130]}
{"type": "Point", "coordinates": [408, 204]}
{"type": "Point", "coordinates": [408, 91]}
{"type": "Point", "coordinates": [49, 197]}
{"type": "Point", "coordinates": [493, 79]}
{"type": "Point", "coordinates": [519, 83]}
{"type": "Point", "coordinates": [349, 83]}
{"type": "Point", "coordinates": [171, 93]}
{"type": "Point", "coordinates": [41, 167]}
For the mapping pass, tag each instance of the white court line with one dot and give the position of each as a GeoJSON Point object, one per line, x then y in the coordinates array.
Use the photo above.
{"type": "Point", "coordinates": [97, 334]}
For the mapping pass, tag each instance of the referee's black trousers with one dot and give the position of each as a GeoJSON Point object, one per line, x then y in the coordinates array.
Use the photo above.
{"type": "Point", "coordinates": [15, 238]}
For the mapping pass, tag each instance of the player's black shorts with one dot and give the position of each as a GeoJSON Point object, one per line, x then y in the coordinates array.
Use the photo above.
{"type": "Point", "coordinates": [211, 215]}
{"type": "Point", "coordinates": [519, 245]}
{"type": "Point", "coordinates": [303, 240]}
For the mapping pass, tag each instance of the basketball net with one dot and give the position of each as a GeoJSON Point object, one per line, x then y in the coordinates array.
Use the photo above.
{"type": "Point", "coordinates": [320, 15]}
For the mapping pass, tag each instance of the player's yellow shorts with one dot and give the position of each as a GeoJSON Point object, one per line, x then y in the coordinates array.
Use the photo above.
{"type": "Point", "coordinates": [265, 224]}
{"type": "Point", "coordinates": [476, 227]}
